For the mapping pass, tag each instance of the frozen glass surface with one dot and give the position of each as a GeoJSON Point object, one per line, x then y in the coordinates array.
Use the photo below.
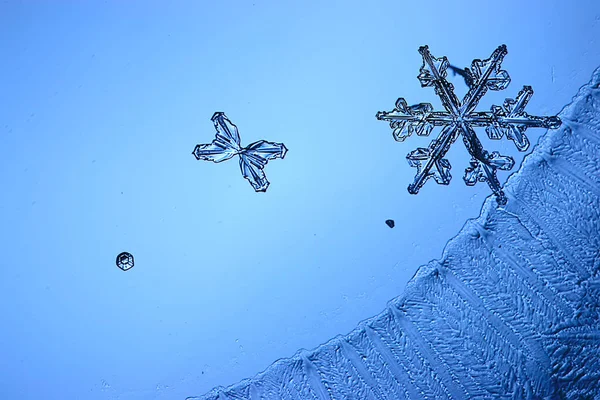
{"type": "Point", "coordinates": [511, 310]}
{"type": "Point", "coordinates": [102, 104]}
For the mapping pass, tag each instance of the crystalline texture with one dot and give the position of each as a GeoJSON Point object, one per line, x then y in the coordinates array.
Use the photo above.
{"type": "Point", "coordinates": [460, 119]}
{"type": "Point", "coordinates": [510, 311]}
{"type": "Point", "coordinates": [253, 158]}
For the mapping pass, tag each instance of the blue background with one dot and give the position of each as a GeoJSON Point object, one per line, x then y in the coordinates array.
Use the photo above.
{"type": "Point", "coordinates": [101, 105]}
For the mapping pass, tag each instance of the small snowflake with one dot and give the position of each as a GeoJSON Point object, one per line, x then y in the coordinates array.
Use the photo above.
{"type": "Point", "coordinates": [460, 118]}
{"type": "Point", "coordinates": [253, 158]}
{"type": "Point", "coordinates": [125, 261]}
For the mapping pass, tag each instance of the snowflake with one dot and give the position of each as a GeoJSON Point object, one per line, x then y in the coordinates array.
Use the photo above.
{"type": "Point", "coordinates": [253, 158]}
{"type": "Point", "coordinates": [460, 118]}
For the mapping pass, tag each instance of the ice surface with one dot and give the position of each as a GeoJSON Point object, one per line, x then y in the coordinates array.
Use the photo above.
{"type": "Point", "coordinates": [460, 118]}
{"type": "Point", "coordinates": [510, 311]}
{"type": "Point", "coordinates": [253, 158]}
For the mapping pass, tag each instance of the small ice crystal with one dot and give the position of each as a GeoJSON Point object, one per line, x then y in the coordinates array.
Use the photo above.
{"type": "Point", "coordinates": [460, 119]}
{"type": "Point", "coordinates": [253, 158]}
{"type": "Point", "coordinates": [125, 261]}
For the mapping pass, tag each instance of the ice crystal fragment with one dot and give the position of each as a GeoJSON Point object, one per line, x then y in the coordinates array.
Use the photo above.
{"type": "Point", "coordinates": [253, 158]}
{"type": "Point", "coordinates": [460, 118]}
{"type": "Point", "coordinates": [390, 223]}
{"type": "Point", "coordinates": [465, 73]}
{"type": "Point", "coordinates": [125, 261]}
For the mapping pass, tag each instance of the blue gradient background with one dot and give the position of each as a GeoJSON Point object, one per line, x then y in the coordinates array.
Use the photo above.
{"type": "Point", "coordinates": [101, 106]}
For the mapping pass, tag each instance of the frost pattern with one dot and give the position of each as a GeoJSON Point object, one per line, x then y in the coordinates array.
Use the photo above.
{"type": "Point", "coordinates": [511, 311]}
{"type": "Point", "coordinates": [460, 119]}
{"type": "Point", "coordinates": [253, 158]}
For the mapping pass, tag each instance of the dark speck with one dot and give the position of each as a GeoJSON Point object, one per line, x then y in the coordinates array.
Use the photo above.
{"type": "Point", "coordinates": [390, 223]}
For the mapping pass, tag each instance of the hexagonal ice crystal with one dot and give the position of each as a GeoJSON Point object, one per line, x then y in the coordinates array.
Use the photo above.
{"type": "Point", "coordinates": [125, 261]}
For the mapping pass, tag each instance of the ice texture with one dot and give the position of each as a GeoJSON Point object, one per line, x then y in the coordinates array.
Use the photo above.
{"type": "Point", "coordinates": [510, 311]}
{"type": "Point", "coordinates": [460, 119]}
{"type": "Point", "coordinates": [253, 158]}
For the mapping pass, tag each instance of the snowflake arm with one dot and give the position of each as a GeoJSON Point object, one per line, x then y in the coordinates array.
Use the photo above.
{"type": "Point", "coordinates": [433, 73]}
{"type": "Point", "coordinates": [483, 165]}
{"type": "Point", "coordinates": [511, 120]}
{"type": "Point", "coordinates": [406, 120]}
{"type": "Point", "coordinates": [255, 157]}
{"type": "Point", "coordinates": [430, 162]}
{"type": "Point", "coordinates": [486, 75]}
{"type": "Point", "coordinates": [226, 143]}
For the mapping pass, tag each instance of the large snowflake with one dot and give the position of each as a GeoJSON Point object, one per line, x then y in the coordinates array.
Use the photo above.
{"type": "Point", "coordinates": [460, 119]}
